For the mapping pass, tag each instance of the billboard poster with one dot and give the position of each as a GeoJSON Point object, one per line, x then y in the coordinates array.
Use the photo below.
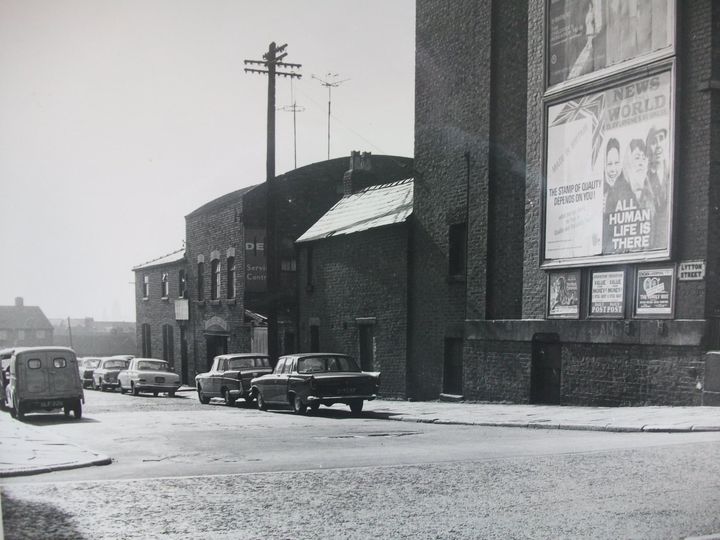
{"type": "Point", "coordinates": [654, 291]}
{"type": "Point", "coordinates": [607, 294]}
{"type": "Point", "coordinates": [255, 262]}
{"type": "Point", "coordinates": [588, 35]}
{"type": "Point", "coordinates": [564, 299]}
{"type": "Point", "coordinates": [609, 171]}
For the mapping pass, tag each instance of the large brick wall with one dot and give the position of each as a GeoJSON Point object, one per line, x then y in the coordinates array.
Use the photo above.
{"type": "Point", "coordinates": [361, 275]}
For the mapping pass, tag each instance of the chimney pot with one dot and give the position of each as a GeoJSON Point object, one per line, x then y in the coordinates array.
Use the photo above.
{"type": "Point", "coordinates": [19, 302]}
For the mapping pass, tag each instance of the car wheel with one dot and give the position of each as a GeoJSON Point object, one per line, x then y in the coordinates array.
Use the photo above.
{"type": "Point", "coordinates": [314, 406]}
{"type": "Point", "coordinates": [120, 386]}
{"type": "Point", "coordinates": [19, 410]}
{"type": "Point", "coordinates": [229, 400]}
{"type": "Point", "coordinates": [155, 394]}
{"type": "Point", "coordinates": [356, 406]}
{"type": "Point", "coordinates": [261, 402]}
{"type": "Point", "coordinates": [171, 394]}
{"type": "Point", "coordinates": [249, 398]}
{"type": "Point", "coordinates": [77, 410]}
{"type": "Point", "coordinates": [134, 389]}
{"type": "Point", "coordinates": [95, 386]}
{"type": "Point", "coordinates": [299, 407]}
{"type": "Point", "coordinates": [103, 388]}
{"type": "Point", "coordinates": [203, 399]}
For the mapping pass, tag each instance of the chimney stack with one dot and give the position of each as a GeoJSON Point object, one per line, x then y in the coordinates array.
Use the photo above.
{"type": "Point", "coordinates": [360, 174]}
{"type": "Point", "coordinates": [19, 301]}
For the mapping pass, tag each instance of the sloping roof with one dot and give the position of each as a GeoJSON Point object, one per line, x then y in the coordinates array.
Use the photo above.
{"type": "Point", "coordinates": [175, 256]}
{"type": "Point", "coordinates": [23, 317]}
{"type": "Point", "coordinates": [228, 198]}
{"type": "Point", "coordinates": [372, 207]}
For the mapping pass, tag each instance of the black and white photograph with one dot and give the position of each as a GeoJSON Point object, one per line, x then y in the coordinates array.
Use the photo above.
{"type": "Point", "coordinates": [394, 269]}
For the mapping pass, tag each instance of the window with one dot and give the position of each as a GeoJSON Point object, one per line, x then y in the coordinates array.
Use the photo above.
{"type": "Point", "coordinates": [34, 363]}
{"type": "Point", "coordinates": [168, 343]}
{"type": "Point", "coordinates": [182, 284]}
{"type": "Point", "coordinates": [201, 281]}
{"type": "Point", "coordinates": [146, 347]}
{"type": "Point", "coordinates": [59, 362]}
{"type": "Point", "coordinates": [40, 334]}
{"type": "Point", "coordinates": [164, 285]}
{"type": "Point", "coordinates": [231, 277]}
{"type": "Point", "coordinates": [146, 286]}
{"type": "Point", "coordinates": [215, 279]}
{"type": "Point", "coordinates": [288, 265]}
{"type": "Point", "coordinates": [457, 249]}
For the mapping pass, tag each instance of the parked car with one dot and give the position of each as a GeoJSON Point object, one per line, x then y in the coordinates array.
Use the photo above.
{"type": "Point", "coordinates": [106, 374]}
{"type": "Point", "coordinates": [314, 379]}
{"type": "Point", "coordinates": [44, 378]}
{"type": "Point", "coordinates": [5, 355]}
{"type": "Point", "coordinates": [148, 375]}
{"type": "Point", "coordinates": [230, 377]}
{"type": "Point", "coordinates": [88, 366]}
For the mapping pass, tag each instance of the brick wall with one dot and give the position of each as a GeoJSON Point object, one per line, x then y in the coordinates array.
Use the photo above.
{"type": "Point", "coordinates": [362, 275]}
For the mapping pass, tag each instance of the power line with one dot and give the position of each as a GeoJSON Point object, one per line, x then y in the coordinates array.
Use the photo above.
{"type": "Point", "coordinates": [329, 83]}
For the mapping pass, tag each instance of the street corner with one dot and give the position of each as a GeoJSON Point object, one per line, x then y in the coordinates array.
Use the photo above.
{"type": "Point", "coordinates": [26, 450]}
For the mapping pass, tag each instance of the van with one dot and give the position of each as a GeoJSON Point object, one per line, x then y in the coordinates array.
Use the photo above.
{"type": "Point", "coordinates": [44, 379]}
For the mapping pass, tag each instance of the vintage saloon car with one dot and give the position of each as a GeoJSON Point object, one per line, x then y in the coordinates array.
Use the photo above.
{"type": "Point", "coordinates": [87, 366]}
{"type": "Point", "coordinates": [148, 375]}
{"type": "Point", "coordinates": [230, 376]}
{"type": "Point", "coordinates": [314, 379]}
{"type": "Point", "coordinates": [106, 374]}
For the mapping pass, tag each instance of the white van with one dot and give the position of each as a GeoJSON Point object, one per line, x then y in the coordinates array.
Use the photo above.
{"type": "Point", "coordinates": [44, 379]}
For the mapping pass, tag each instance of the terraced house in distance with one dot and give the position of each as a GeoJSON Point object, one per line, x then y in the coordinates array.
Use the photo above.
{"type": "Point", "coordinates": [212, 298]}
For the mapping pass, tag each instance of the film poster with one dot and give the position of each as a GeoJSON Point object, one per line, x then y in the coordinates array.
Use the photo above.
{"type": "Point", "coordinates": [564, 296]}
{"type": "Point", "coordinates": [609, 171]}
{"type": "Point", "coordinates": [654, 291]}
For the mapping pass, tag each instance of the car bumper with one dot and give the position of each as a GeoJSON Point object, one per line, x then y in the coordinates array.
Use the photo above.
{"type": "Point", "coordinates": [157, 387]}
{"type": "Point", "coordinates": [339, 399]}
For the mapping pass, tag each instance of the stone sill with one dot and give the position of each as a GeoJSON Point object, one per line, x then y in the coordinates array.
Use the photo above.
{"type": "Point", "coordinates": [680, 332]}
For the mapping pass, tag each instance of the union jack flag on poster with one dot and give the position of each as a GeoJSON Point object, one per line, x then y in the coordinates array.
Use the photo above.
{"type": "Point", "coordinates": [592, 107]}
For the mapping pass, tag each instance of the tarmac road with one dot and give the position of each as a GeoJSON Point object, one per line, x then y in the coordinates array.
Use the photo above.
{"type": "Point", "coordinates": [185, 470]}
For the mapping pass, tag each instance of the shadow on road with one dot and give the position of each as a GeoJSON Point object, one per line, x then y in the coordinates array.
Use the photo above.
{"type": "Point", "coordinates": [338, 414]}
{"type": "Point", "coordinates": [24, 519]}
{"type": "Point", "coordinates": [54, 419]}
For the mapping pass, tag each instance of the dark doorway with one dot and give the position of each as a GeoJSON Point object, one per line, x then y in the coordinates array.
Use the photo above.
{"type": "Point", "coordinates": [545, 369]}
{"type": "Point", "coordinates": [215, 345]}
{"type": "Point", "coordinates": [183, 356]}
{"type": "Point", "coordinates": [452, 373]}
{"type": "Point", "coordinates": [367, 347]}
{"type": "Point", "coordinates": [314, 338]}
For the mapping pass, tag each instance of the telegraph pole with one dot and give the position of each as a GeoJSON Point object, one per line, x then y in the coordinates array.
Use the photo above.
{"type": "Point", "coordinates": [271, 61]}
{"type": "Point", "coordinates": [294, 108]}
{"type": "Point", "coordinates": [329, 84]}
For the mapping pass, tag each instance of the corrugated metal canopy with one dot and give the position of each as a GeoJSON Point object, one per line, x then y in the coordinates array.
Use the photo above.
{"type": "Point", "coordinates": [375, 206]}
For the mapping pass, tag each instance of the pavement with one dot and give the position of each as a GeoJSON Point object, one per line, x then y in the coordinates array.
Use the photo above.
{"type": "Point", "coordinates": [27, 449]}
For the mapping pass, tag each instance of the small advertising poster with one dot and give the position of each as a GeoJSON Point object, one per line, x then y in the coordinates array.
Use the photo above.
{"type": "Point", "coordinates": [609, 172]}
{"type": "Point", "coordinates": [607, 294]}
{"type": "Point", "coordinates": [564, 294]}
{"type": "Point", "coordinates": [655, 291]}
{"type": "Point", "coordinates": [255, 262]}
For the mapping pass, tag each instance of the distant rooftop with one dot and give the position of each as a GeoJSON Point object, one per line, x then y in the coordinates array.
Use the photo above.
{"type": "Point", "coordinates": [22, 317]}
{"type": "Point", "coordinates": [375, 206]}
{"type": "Point", "coordinates": [175, 256]}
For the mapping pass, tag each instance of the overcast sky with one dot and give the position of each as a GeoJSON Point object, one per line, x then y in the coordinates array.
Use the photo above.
{"type": "Point", "coordinates": [119, 117]}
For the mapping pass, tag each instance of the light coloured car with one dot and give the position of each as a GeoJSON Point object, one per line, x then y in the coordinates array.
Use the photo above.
{"type": "Point", "coordinates": [106, 374]}
{"type": "Point", "coordinates": [86, 366]}
{"type": "Point", "coordinates": [148, 375]}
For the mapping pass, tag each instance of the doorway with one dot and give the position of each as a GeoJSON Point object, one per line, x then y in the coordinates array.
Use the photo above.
{"type": "Point", "coordinates": [215, 345]}
{"type": "Point", "coordinates": [453, 367]}
{"type": "Point", "coordinates": [183, 356]}
{"type": "Point", "coordinates": [367, 347]}
{"type": "Point", "coordinates": [545, 369]}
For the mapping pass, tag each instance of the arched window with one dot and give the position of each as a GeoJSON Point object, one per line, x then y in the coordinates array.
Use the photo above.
{"type": "Point", "coordinates": [231, 277]}
{"type": "Point", "coordinates": [215, 279]}
{"type": "Point", "coordinates": [165, 285]}
{"type": "Point", "coordinates": [201, 281]}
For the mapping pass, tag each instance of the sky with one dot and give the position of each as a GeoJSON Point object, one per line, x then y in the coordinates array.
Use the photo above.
{"type": "Point", "coordinates": [120, 117]}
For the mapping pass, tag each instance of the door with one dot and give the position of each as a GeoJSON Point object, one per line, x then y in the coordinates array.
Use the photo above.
{"type": "Point", "coordinates": [214, 346]}
{"type": "Point", "coordinates": [367, 347]}
{"type": "Point", "coordinates": [314, 338]}
{"type": "Point", "coordinates": [452, 372]}
{"type": "Point", "coordinates": [183, 356]}
{"type": "Point", "coordinates": [545, 374]}
{"type": "Point", "coordinates": [63, 373]}
{"type": "Point", "coordinates": [32, 381]}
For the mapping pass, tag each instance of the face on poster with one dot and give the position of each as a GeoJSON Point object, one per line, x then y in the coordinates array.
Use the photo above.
{"type": "Point", "coordinates": [607, 294]}
{"type": "Point", "coordinates": [588, 35]}
{"type": "Point", "coordinates": [609, 171]}
{"type": "Point", "coordinates": [564, 294]}
{"type": "Point", "coordinates": [654, 291]}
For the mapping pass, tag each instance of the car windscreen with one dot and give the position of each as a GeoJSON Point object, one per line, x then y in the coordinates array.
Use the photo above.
{"type": "Point", "coordinates": [321, 364]}
{"type": "Point", "coordinates": [91, 364]}
{"type": "Point", "coordinates": [148, 365]}
{"type": "Point", "coordinates": [242, 363]}
{"type": "Point", "coordinates": [115, 364]}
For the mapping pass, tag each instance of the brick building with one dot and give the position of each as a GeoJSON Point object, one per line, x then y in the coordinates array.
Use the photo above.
{"type": "Point", "coordinates": [353, 270]}
{"type": "Point", "coordinates": [24, 326]}
{"type": "Point", "coordinates": [212, 296]}
{"type": "Point", "coordinates": [566, 201]}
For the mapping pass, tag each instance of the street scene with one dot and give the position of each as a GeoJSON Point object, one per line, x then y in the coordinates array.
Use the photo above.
{"type": "Point", "coordinates": [328, 269]}
{"type": "Point", "coordinates": [182, 469]}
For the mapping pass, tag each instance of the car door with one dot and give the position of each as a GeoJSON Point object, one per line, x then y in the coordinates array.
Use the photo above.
{"type": "Point", "coordinates": [62, 379]}
{"type": "Point", "coordinates": [211, 387]}
{"type": "Point", "coordinates": [33, 381]}
{"type": "Point", "coordinates": [274, 382]}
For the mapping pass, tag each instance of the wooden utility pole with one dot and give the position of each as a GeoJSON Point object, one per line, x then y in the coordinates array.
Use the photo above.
{"type": "Point", "coordinates": [271, 61]}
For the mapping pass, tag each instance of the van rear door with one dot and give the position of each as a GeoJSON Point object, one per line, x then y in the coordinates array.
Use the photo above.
{"type": "Point", "coordinates": [63, 371]}
{"type": "Point", "coordinates": [33, 380]}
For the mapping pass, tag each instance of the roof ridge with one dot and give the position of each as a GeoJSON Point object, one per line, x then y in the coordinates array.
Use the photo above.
{"type": "Point", "coordinates": [384, 186]}
{"type": "Point", "coordinates": [158, 258]}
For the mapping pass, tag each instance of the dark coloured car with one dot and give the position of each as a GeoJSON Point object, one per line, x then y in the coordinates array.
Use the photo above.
{"type": "Point", "coordinates": [230, 376]}
{"type": "Point", "coordinates": [106, 374]}
{"type": "Point", "coordinates": [87, 366]}
{"type": "Point", "coordinates": [314, 379]}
